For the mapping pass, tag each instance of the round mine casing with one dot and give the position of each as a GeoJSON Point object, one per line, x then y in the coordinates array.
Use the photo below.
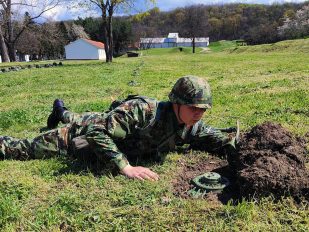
{"type": "Point", "coordinates": [208, 182]}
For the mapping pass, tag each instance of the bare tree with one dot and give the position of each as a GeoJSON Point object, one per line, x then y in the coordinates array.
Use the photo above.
{"type": "Point", "coordinates": [11, 14]}
{"type": "Point", "coordinates": [107, 9]}
{"type": "Point", "coordinates": [195, 23]}
{"type": "Point", "coordinates": [74, 31]}
{"type": "Point", "coordinates": [3, 48]}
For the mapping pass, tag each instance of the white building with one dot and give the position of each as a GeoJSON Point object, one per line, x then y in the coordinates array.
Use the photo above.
{"type": "Point", "coordinates": [172, 40]}
{"type": "Point", "coordinates": [85, 49]}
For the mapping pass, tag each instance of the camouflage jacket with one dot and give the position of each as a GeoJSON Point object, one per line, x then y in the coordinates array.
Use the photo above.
{"type": "Point", "coordinates": [143, 127]}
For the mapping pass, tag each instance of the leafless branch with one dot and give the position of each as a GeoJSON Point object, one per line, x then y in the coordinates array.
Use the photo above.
{"type": "Point", "coordinates": [35, 17]}
{"type": "Point", "coordinates": [22, 4]}
{"type": "Point", "coordinates": [96, 3]}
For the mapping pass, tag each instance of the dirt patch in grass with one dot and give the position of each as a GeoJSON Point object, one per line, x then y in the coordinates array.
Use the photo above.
{"type": "Point", "coordinates": [198, 166]}
{"type": "Point", "coordinates": [270, 161]}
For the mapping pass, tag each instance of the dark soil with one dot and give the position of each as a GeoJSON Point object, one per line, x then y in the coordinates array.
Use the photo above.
{"type": "Point", "coordinates": [198, 166]}
{"type": "Point", "coordinates": [270, 161]}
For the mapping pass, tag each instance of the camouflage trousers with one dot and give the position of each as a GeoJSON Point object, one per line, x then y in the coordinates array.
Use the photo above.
{"type": "Point", "coordinates": [49, 144]}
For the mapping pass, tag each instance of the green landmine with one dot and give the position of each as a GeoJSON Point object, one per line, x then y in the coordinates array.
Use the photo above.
{"type": "Point", "coordinates": [207, 182]}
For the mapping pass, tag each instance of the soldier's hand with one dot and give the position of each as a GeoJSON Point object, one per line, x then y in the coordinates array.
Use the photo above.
{"type": "Point", "coordinates": [140, 173]}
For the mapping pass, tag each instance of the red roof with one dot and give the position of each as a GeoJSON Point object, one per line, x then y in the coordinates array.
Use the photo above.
{"type": "Point", "coordinates": [95, 43]}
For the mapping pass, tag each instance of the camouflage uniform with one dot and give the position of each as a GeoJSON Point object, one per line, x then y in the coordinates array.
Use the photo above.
{"type": "Point", "coordinates": [131, 131]}
{"type": "Point", "coordinates": [138, 128]}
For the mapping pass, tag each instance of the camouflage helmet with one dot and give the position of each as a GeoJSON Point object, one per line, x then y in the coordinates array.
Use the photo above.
{"type": "Point", "coordinates": [192, 91]}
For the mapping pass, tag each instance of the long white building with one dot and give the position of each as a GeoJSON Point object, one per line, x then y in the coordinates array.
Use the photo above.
{"type": "Point", "coordinates": [172, 40]}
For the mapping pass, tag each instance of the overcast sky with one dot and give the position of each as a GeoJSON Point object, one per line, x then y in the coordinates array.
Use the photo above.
{"type": "Point", "coordinates": [63, 13]}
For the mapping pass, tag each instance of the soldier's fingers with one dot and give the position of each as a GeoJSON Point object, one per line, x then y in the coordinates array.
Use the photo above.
{"type": "Point", "coordinates": [151, 175]}
{"type": "Point", "coordinates": [139, 177]}
{"type": "Point", "coordinates": [145, 176]}
{"type": "Point", "coordinates": [154, 177]}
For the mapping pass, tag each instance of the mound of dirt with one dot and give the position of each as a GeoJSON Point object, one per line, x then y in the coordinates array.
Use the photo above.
{"type": "Point", "coordinates": [271, 161]}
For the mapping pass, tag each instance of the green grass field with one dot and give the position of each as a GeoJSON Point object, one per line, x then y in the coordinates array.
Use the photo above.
{"type": "Point", "coordinates": [252, 84]}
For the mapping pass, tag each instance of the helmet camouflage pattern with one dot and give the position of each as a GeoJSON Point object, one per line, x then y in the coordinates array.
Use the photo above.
{"type": "Point", "coordinates": [192, 91]}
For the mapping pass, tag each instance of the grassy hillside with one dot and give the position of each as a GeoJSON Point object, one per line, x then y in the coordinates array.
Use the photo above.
{"type": "Point", "coordinates": [287, 46]}
{"type": "Point", "coordinates": [54, 194]}
{"type": "Point", "coordinates": [222, 45]}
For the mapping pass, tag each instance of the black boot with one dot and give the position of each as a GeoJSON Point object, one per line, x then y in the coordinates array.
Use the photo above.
{"type": "Point", "coordinates": [56, 115]}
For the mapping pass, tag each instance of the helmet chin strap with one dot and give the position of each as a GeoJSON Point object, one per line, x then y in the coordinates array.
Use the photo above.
{"type": "Point", "coordinates": [179, 105]}
{"type": "Point", "coordinates": [178, 113]}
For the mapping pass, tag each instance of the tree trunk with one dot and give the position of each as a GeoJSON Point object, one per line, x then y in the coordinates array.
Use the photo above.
{"type": "Point", "coordinates": [10, 41]}
{"type": "Point", "coordinates": [110, 36]}
{"type": "Point", "coordinates": [193, 45]}
{"type": "Point", "coordinates": [12, 51]}
{"type": "Point", "coordinates": [105, 34]}
{"type": "Point", "coordinates": [4, 50]}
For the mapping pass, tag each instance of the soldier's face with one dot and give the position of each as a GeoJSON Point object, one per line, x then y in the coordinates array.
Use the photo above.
{"type": "Point", "coordinates": [190, 114]}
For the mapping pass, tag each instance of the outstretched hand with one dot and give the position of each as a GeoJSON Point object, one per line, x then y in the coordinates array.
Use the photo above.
{"type": "Point", "coordinates": [140, 173]}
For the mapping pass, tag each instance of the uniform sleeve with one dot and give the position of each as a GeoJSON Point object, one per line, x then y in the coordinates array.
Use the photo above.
{"type": "Point", "coordinates": [207, 138]}
{"type": "Point", "coordinates": [119, 123]}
